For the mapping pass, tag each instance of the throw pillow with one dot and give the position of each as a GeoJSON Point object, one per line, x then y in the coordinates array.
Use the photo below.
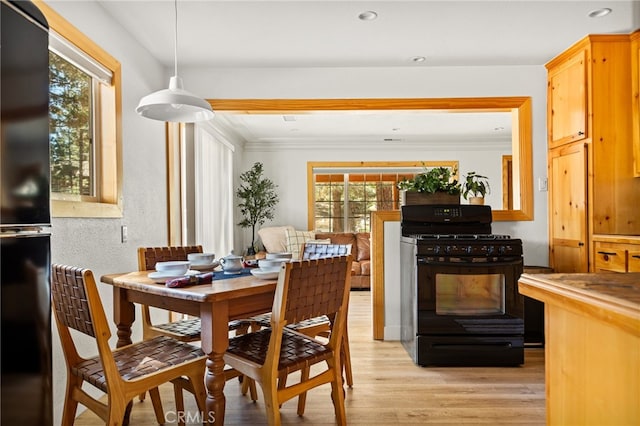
{"type": "Point", "coordinates": [364, 244]}
{"type": "Point", "coordinates": [274, 238]}
{"type": "Point", "coordinates": [295, 239]}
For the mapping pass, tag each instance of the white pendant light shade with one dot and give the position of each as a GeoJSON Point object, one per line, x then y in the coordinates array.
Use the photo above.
{"type": "Point", "coordinates": [174, 104]}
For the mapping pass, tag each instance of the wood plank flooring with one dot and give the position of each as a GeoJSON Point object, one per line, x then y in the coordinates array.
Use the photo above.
{"type": "Point", "coordinates": [389, 389]}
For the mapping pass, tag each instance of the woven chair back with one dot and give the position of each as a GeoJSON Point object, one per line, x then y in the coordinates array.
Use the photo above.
{"type": "Point", "coordinates": [320, 251]}
{"type": "Point", "coordinates": [149, 256]}
{"type": "Point", "coordinates": [70, 301]}
{"type": "Point", "coordinates": [315, 287]}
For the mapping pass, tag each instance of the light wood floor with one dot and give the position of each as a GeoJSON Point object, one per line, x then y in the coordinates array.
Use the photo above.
{"type": "Point", "coordinates": [390, 389]}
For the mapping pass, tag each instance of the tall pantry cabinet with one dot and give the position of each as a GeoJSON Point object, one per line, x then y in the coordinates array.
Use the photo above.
{"type": "Point", "coordinates": [594, 196]}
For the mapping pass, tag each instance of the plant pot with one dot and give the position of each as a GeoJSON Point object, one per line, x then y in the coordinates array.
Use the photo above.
{"type": "Point", "coordinates": [476, 200]}
{"type": "Point", "coordinates": [408, 198]}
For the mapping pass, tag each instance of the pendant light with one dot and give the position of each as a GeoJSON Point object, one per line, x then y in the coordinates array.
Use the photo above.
{"type": "Point", "coordinates": [175, 104]}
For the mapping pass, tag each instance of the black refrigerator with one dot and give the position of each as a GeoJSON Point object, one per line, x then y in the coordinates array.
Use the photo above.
{"type": "Point", "coordinates": [25, 220]}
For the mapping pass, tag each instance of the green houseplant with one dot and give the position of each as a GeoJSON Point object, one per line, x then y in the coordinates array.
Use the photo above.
{"type": "Point", "coordinates": [475, 187]}
{"type": "Point", "coordinates": [440, 182]}
{"type": "Point", "coordinates": [258, 200]}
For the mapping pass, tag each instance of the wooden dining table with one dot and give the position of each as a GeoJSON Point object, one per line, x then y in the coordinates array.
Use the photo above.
{"type": "Point", "coordinates": [216, 304]}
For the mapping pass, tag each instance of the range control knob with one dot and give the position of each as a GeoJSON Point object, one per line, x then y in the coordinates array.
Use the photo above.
{"type": "Point", "coordinates": [490, 249]}
{"type": "Point", "coordinates": [469, 249]}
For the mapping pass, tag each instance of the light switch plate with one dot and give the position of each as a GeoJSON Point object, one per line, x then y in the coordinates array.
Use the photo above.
{"type": "Point", "coordinates": [542, 184]}
{"type": "Point", "coordinates": [124, 233]}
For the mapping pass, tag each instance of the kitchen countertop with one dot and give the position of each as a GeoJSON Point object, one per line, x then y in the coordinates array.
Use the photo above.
{"type": "Point", "coordinates": [613, 297]}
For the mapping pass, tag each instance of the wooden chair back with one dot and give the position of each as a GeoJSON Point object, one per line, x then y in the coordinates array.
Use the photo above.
{"type": "Point", "coordinates": [147, 259]}
{"type": "Point", "coordinates": [149, 256]}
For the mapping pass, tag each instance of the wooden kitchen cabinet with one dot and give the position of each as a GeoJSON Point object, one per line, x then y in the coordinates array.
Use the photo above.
{"type": "Point", "coordinates": [567, 100]}
{"type": "Point", "coordinates": [616, 254]}
{"type": "Point", "coordinates": [635, 106]}
{"type": "Point", "coordinates": [568, 208]}
{"type": "Point", "coordinates": [634, 260]}
{"type": "Point", "coordinates": [592, 183]}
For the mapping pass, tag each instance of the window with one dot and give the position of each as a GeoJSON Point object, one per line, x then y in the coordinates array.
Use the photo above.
{"type": "Point", "coordinates": [85, 136]}
{"type": "Point", "coordinates": [71, 129]}
{"type": "Point", "coordinates": [343, 195]}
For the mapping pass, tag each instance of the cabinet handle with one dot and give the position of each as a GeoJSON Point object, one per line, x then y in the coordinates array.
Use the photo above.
{"type": "Point", "coordinates": [607, 253]}
{"type": "Point", "coordinates": [580, 244]}
{"type": "Point", "coordinates": [580, 133]}
{"type": "Point", "coordinates": [636, 256]}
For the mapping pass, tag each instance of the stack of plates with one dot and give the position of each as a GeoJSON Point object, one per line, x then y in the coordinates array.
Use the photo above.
{"type": "Point", "coordinates": [162, 277]}
{"type": "Point", "coordinates": [206, 266]}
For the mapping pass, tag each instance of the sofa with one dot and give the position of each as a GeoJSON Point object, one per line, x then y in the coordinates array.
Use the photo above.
{"type": "Point", "coordinates": [276, 239]}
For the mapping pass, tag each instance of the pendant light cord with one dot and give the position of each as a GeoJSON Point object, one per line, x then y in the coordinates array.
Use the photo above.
{"type": "Point", "coordinates": [175, 41]}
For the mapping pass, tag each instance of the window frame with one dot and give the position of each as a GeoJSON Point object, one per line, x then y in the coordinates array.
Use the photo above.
{"type": "Point", "coordinates": [351, 167]}
{"type": "Point", "coordinates": [108, 168]}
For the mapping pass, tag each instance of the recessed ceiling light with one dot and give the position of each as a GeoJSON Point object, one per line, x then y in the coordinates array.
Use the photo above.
{"type": "Point", "coordinates": [369, 15]}
{"type": "Point", "coordinates": [418, 59]}
{"type": "Point", "coordinates": [599, 13]}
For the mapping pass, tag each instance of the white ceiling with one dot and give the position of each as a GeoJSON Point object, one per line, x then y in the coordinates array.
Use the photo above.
{"type": "Point", "coordinates": [306, 33]}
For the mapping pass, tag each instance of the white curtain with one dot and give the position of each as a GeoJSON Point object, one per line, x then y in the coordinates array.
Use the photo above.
{"type": "Point", "coordinates": [213, 182]}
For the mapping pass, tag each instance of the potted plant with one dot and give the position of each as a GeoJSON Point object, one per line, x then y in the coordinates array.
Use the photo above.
{"type": "Point", "coordinates": [258, 200]}
{"type": "Point", "coordinates": [437, 185]}
{"type": "Point", "coordinates": [475, 187]}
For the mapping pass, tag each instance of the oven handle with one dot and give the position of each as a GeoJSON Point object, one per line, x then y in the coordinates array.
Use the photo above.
{"type": "Point", "coordinates": [475, 347]}
{"type": "Point", "coordinates": [504, 262]}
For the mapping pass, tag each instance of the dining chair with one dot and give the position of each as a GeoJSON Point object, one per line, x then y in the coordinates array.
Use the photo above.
{"type": "Point", "coordinates": [305, 289]}
{"type": "Point", "coordinates": [122, 373]}
{"type": "Point", "coordinates": [186, 329]}
{"type": "Point", "coordinates": [319, 326]}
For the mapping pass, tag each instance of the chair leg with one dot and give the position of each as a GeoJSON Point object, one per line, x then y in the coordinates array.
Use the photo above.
{"type": "Point", "coordinates": [302, 398]}
{"type": "Point", "coordinates": [271, 403]}
{"type": "Point", "coordinates": [157, 405]}
{"type": "Point", "coordinates": [249, 385]}
{"type": "Point", "coordinates": [337, 396]}
{"type": "Point", "coordinates": [199, 391]}
{"type": "Point", "coordinates": [141, 396]}
{"type": "Point", "coordinates": [177, 392]}
{"type": "Point", "coordinates": [346, 360]}
{"type": "Point", "coordinates": [70, 404]}
{"type": "Point", "coordinates": [119, 412]}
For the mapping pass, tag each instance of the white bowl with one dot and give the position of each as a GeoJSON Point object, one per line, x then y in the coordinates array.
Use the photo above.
{"type": "Point", "coordinates": [175, 267]}
{"type": "Point", "coordinates": [271, 264]}
{"type": "Point", "coordinates": [201, 258]}
{"type": "Point", "coordinates": [269, 269]}
{"type": "Point", "coordinates": [284, 256]}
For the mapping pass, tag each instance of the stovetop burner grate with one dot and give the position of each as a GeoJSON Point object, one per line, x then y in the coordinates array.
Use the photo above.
{"type": "Point", "coordinates": [478, 237]}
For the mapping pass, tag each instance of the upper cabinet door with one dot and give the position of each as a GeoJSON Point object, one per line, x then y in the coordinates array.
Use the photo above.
{"type": "Point", "coordinates": [635, 106]}
{"type": "Point", "coordinates": [567, 100]}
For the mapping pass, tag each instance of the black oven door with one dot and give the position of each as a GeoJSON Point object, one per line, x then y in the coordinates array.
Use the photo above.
{"type": "Point", "coordinates": [469, 313]}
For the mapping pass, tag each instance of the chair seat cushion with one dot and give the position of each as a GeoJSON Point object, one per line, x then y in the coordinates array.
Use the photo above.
{"type": "Point", "coordinates": [139, 359]}
{"type": "Point", "coordinates": [297, 350]}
